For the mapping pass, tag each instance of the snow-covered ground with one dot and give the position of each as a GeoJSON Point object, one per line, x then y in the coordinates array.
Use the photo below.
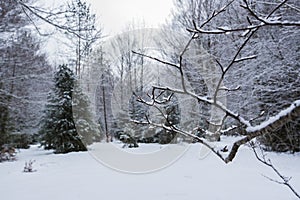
{"type": "Point", "coordinates": [81, 176]}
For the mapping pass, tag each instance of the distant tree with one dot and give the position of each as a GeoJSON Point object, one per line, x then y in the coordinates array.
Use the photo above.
{"type": "Point", "coordinates": [4, 118]}
{"type": "Point", "coordinates": [11, 19]}
{"type": "Point", "coordinates": [11, 16]}
{"type": "Point", "coordinates": [276, 88]}
{"type": "Point", "coordinates": [24, 70]}
{"type": "Point", "coordinates": [73, 19]}
{"type": "Point", "coordinates": [27, 79]}
{"type": "Point", "coordinates": [80, 18]}
{"type": "Point", "coordinates": [103, 103]}
{"type": "Point", "coordinates": [136, 110]}
{"type": "Point", "coordinates": [98, 81]}
{"type": "Point", "coordinates": [84, 117]}
{"type": "Point", "coordinates": [130, 77]}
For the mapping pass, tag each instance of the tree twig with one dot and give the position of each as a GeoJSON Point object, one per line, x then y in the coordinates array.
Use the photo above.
{"type": "Point", "coordinates": [285, 180]}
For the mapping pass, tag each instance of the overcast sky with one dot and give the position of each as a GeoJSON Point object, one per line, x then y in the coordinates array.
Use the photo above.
{"type": "Point", "coordinates": [116, 14]}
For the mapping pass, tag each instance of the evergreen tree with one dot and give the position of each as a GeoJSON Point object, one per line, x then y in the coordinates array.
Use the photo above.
{"type": "Point", "coordinates": [24, 70]}
{"type": "Point", "coordinates": [4, 118]}
{"type": "Point", "coordinates": [58, 130]}
{"type": "Point", "coordinates": [137, 111]}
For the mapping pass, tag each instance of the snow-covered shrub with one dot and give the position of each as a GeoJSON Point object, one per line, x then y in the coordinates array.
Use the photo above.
{"type": "Point", "coordinates": [7, 153]}
{"type": "Point", "coordinates": [128, 140]}
{"type": "Point", "coordinates": [29, 166]}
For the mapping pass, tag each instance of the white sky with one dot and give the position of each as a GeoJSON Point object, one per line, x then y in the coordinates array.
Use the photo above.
{"type": "Point", "coordinates": [116, 14]}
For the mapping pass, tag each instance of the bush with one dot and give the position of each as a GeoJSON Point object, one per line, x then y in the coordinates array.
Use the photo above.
{"type": "Point", "coordinates": [128, 140]}
{"type": "Point", "coordinates": [8, 153]}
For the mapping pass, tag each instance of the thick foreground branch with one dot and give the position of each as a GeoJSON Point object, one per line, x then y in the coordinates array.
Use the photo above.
{"type": "Point", "coordinates": [269, 126]}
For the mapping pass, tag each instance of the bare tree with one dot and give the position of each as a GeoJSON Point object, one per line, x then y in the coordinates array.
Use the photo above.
{"type": "Point", "coordinates": [75, 20]}
{"type": "Point", "coordinates": [251, 131]}
{"type": "Point", "coordinates": [103, 102]}
{"type": "Point", "coordinates": [245, 127]}
{"type": "Point", "coordinates": [80, 17]}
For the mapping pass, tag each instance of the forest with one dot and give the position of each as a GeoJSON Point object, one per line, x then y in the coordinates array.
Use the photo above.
{"type": "Point", "coordinates": [223, 74]}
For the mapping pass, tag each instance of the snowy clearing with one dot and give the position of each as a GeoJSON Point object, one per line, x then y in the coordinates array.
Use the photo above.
{"type": "Point", "coordinates": [80, 176]}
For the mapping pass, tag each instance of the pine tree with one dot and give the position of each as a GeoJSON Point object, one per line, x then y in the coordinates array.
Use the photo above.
{"type": "Point", "coordinates": [58, 130]}
{"type": "Point", "coordinates": [4, 118]}
{"type": "Point", "coordinates": [24, 70]}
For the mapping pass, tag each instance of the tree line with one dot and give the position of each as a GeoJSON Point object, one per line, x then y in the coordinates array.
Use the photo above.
{"type": "Point", "coordinates": [260, 81]}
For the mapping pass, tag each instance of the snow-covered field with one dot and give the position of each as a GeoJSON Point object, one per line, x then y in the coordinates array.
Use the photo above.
{"type": "Point", "coordinates": [81, 176]}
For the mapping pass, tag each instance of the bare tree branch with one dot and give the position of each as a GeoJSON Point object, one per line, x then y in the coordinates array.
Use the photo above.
{"type": "Point", "coordinates": [233, 61]}
{"type": "Point", "coordinates": [266, 21]}
{"type": "Point", "coordinates": [249, 132]}
{"type": "Point", "coordinates": [269, 126]}
{"type": "Point", "coordinates": [215, 14]}
{"type": "Point", "coordinates": [285, 180]}
{"type": "Point", "coordinates": [261, 21]}
{"type": "Point", "coordinates": [156, 59]}
{"type": "Point", "coordinates": [38, 13]}
{"type": "Point", "coordinates": [276, 8]}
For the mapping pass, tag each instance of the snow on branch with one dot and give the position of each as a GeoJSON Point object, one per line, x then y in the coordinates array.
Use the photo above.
{"type": "Point", "coordinates": [288, 112]}
{"type": "Point", "coordinates": [268, 126]}
{"type": "Point", "coordinates": [230, 89]}
{"type": "Point", "coordinates": [245, 58]}
{"type": "Point", "coordinates": [268, 20]}
{"type": "Point", "coordinates": [204, 99]}
{"type": "Point", "coordinates": [261, 21]}
{"type": "Point", "coordinates": [156, 59]}
{"type": "Point", "coordinates": [249, 132]}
